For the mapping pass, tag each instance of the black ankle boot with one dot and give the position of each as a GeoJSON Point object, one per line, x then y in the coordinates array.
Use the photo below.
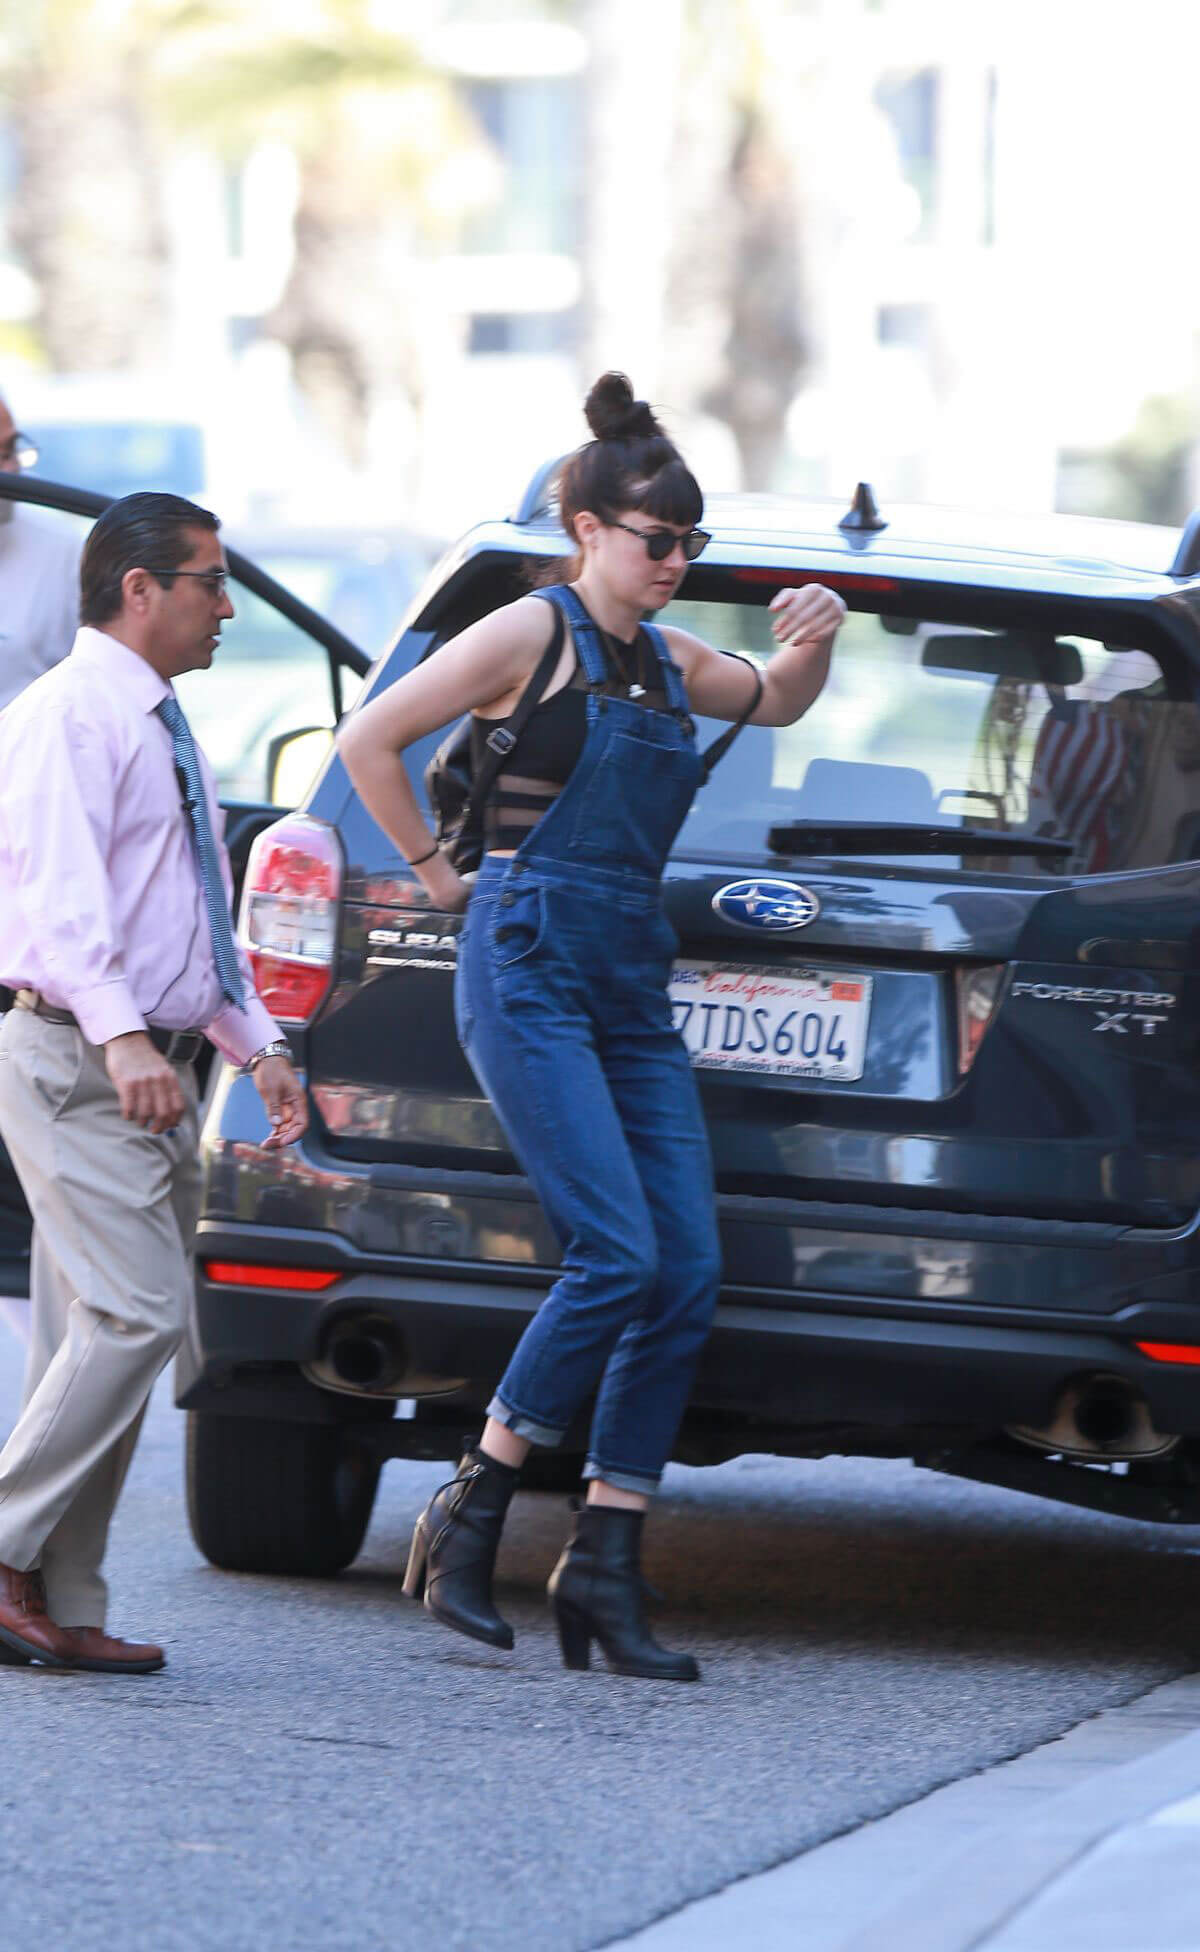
{"type": "Point", "coordinates": [453, 1550]}
{"type": "Point", "coordinates": [598, 1593]}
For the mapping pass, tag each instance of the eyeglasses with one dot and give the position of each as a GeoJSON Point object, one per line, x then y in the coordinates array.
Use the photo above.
{"type": "Point", "coordinates": [19, 449]}
{"type": "Point", "coordinates": [214, 579]}
{"type": "Point", "coordinates": [660, 542]}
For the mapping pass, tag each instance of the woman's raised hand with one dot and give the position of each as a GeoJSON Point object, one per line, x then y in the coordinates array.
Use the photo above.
{"type": "Point", "coordinates": [806, 614]}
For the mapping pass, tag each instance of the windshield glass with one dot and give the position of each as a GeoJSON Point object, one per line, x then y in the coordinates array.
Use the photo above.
{"type": "Point", "coordinates": [952, 726]}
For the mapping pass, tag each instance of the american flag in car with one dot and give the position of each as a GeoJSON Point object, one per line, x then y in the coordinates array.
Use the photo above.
{"type": "Point", "coordinates": [1078, 777]}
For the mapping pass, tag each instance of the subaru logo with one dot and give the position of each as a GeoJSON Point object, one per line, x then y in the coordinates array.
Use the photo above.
{"type": "Point", "coordinates": [766, 904]}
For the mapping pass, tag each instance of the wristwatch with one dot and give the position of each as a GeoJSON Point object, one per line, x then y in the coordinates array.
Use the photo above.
{"type": "Point", "coordinates": [278, 1047]}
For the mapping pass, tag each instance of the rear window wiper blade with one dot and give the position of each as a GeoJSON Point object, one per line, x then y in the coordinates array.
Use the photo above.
{"type": "Point", "coordinates": [899, 837]}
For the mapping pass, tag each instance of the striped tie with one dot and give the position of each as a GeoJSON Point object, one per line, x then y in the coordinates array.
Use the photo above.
{"type": "Point", "coordinates": [195, 802]}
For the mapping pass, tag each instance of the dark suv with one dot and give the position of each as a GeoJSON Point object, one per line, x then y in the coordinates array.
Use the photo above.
{"type": "Point", "coordinates": [937, 974]}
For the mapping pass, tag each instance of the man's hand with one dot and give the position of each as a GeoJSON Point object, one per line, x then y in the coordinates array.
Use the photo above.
{"type": "Point", "coordinates": [150, 1094]}
{"type": "Point", "coordinates": [283, 1095]}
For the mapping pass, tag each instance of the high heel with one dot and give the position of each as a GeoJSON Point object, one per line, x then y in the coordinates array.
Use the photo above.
{"type": "Point", "coordinates": [453, 1552]}
{"type": "Point", "coordinates": [574, 1636]}
{"type": "Point", "coordinates": [414, 1576]}
{"type": "Point", "coordinates": [598, 1593]}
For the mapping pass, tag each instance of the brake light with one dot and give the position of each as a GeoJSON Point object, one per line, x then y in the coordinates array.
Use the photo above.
{"type": "Point", "coordinates": [249, 1274]}
{"type": "Point", "coordinates": [832, 579]}
{"type": "Point", "coordinates": [289, 915]}
{"type": "Point", "coordinates": [978, 995]}
{"type": "Point", "coordinates": [1180, 1352]}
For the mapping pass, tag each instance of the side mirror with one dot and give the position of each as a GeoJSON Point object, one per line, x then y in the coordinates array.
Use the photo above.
{"type": "Point", "coordinates": [292, 759]}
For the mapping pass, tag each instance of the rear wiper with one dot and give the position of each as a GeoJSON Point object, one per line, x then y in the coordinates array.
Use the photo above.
{"type": "Point", "coordinates": [895, 837]}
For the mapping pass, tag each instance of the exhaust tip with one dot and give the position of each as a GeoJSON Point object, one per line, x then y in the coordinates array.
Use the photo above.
{"type": "Point", "coordinates": [362, 1354]}
{"type": "Point", "coordinates": [1108, 1413]}
{"type": "Point", "coordinates": [1100, 1417]}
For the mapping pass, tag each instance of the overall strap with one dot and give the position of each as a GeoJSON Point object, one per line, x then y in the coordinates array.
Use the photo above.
{"type": "Point", "coordinates": [720, 746]}
{"type": "Point", "coordinates": [677, 699]}
{"type": "Point", "coordinates": [502, 739]}
{"type": "Point", "coordinates": [587, 641]}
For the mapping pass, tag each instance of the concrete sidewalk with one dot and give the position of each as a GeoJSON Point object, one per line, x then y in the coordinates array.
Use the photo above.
{"type": "Point", "coordinates": [1087, 1844]}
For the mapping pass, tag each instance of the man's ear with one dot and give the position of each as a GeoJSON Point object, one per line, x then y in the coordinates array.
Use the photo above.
{"type": "Point", "coordinates": [136, 588]}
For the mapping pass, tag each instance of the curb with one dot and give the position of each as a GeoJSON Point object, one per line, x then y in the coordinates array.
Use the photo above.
{"type": "Point", "coordinates": [947, 1872]}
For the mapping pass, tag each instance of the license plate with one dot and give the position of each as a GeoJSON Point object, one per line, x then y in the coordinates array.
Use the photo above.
{"type": "Point", "coordinates": [797, 1023]}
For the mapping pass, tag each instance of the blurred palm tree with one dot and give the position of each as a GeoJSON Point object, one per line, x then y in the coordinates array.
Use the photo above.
{"type": "Point", "coordinates": [102, 93]}
{"type": "Point", "coordinates": [735, 287]}
{"type": "Point", "coordinates": [712, 115]}
{"type": "Point", "coordinates": [388, 161]}
{"type": "Point", "coordinates": [87, 217]}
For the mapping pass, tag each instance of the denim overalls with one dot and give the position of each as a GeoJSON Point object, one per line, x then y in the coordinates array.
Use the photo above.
{"type": "Point", "coordinates": [562, 1009]}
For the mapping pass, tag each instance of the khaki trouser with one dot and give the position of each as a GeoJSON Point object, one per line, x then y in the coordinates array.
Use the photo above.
{"type": "Point", "coordinates": [114, 1211]}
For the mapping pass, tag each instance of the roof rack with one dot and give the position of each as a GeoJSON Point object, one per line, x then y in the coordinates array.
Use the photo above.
{"type": "Point", "coordinates": [537, 499]}
{"type": "Point", "coordinates": [1187, 556]}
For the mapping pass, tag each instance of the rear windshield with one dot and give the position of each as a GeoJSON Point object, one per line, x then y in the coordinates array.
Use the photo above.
{"type": "Point", "coordinates": [1016, 733]}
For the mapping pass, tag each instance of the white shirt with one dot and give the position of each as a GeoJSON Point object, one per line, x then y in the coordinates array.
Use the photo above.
{"type": "Point", "coordinates": [39, 596]}
{"type": "Point", "coordinates": [101, 903]}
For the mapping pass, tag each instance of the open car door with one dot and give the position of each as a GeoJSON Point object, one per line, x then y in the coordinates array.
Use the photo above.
{"type": "Point", "coordinates": [265, 715]}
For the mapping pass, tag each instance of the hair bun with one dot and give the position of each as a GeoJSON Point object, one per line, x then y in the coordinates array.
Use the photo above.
{"type": "Point", "coordinates": [614, 415]}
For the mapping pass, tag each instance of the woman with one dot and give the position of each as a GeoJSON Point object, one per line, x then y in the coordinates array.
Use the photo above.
{"type": "Point", "coordinates": [562, 1006]}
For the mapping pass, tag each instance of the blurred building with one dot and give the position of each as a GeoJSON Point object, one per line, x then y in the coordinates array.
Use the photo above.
{"type": "Point", "coordinates": [1000, 283]}
{"type": "Point", "coordinates": [989, 223]}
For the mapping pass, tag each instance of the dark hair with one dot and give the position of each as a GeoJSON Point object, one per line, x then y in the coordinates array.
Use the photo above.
{"type": "Point", "coordinates": [146, 531]}
{"type": "Point", "coordinates": [631, 464]}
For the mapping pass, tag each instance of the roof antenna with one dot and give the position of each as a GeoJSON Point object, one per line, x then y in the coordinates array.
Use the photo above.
{"type": "Point", "coordinates": [863, 512]}
{"type": "Point", "coordinates": [1187, 556]}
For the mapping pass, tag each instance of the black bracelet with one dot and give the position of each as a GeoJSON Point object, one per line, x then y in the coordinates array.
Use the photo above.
{"type": "Point", "coordinates": [425, 857]}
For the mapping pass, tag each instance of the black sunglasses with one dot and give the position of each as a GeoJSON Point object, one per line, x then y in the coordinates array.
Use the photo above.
{"type": "Point", "coordinates": [660, 542]}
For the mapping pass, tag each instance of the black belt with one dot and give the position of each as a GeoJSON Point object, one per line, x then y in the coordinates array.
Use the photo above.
{"type": "Point", "coordinates": [181, 1046]}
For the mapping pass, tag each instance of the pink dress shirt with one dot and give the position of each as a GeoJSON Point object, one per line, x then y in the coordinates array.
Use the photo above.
{"type": "Point", "coordinates": [101, 906]}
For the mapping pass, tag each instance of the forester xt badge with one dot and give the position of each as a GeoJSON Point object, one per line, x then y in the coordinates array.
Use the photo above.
{"type": "Point", "coordinates": [1120, 1012]}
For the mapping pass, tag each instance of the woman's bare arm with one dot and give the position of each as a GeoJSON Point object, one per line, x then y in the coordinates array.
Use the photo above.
{"type": "Point", "coordinates": [484, 664]}
{"type": "Point", "coordinates": [806, 621]}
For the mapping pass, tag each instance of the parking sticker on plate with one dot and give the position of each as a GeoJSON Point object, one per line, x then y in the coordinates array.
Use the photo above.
{"type": "Point", "coordinates": [790, 1023]}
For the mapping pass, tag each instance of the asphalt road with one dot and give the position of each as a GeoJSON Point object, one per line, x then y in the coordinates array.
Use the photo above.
{"type": "Point", "coordinates": [321, 1766]}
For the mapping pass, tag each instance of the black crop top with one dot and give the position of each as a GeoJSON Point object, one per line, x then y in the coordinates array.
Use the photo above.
{"type": "Point", "coordinates": [541, 763]}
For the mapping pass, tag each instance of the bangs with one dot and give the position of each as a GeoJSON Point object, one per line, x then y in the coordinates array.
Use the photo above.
{"type": "Point", "coordinates": [673, 495]}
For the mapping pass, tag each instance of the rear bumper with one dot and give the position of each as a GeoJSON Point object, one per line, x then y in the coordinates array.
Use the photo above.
{"type": "Point", "coordinates": [796, 1359]}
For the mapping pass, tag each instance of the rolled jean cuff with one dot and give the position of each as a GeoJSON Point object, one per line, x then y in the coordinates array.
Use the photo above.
{"type": "Point", "coordinates": [644, 1483]}
{"type": "Point", "coordinates": [523, 1426]}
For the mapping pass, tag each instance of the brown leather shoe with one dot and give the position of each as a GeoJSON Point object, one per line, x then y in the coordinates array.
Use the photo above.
{"type": "Point", "coordinates": [27, 1633]}
{"type": "Point", "coordinates": [103, 1653]}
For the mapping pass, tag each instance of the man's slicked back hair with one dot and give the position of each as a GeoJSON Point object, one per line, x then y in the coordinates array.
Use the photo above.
{"type": "Point", "coordinates": [144, 531]}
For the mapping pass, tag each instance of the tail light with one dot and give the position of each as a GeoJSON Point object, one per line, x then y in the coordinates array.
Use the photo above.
{"type": "Point", "coordinates": [1186, 1354]}
{"type": "Point", "coordinates": [242, 1274]}
{"type": "Point", "coordinates": [289, 915]}
{"type": "Point", "coordinates": [978, 995]}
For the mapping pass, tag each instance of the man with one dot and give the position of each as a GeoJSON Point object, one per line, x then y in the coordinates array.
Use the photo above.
{"type": "Point", "coordinates": [115, 935]}
{"type": "Point", "coordinates": [39, 578]}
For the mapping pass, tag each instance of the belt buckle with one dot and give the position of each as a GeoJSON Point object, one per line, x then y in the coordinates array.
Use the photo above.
{"type": "Point", "coordinates": [181, 1046]}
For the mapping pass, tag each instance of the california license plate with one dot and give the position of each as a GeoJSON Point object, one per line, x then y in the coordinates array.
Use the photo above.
{"type": "Point", "coordinates": [796, 1023]}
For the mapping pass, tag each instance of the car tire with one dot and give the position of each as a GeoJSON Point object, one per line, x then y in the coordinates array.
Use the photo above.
{"type": "Point", "coordinates": [275, 1497]}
